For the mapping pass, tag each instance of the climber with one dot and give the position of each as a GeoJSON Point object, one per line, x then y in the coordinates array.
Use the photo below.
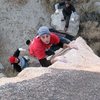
{"type": "Point", "coordinates": [45, 43]}
{"type": "Point", "coordinates": [19, 62]}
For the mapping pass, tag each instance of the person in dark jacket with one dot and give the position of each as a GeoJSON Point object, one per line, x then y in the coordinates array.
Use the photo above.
{"type": "Point", "coordinates": [67, 11]}
{"type": "Point", "coordinates": [41, 45]}
{"type": "Point", "coordinates": [19, 62]}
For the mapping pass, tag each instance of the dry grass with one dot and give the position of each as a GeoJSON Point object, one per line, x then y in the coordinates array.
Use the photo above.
{"type": "Point", "coordinates": [9, 72]}
{"type": "Point", "coordinates": [96, 47]}
{"type": "Point", "coordinates": [19, 2]}
{"type": "Point", "coordinates": [49, 4]}
{"type": "Point", "coordinates": [91, 33]}
{"type": "Point", "coordinates": [88, 12]}
{"type": "Point", "coordinates": [90, 30]}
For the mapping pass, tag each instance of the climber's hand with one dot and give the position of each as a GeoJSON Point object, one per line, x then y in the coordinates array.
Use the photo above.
{"type": "Point", "coordinates": [65, 46]}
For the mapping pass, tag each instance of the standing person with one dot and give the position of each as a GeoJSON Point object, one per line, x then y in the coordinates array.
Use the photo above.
{"type": "Point", "coordinates": [18, 62]}
{"type": "Point", "coordinates": [43, 43]}
{"type": "Point", "coordinates": [67, 11]}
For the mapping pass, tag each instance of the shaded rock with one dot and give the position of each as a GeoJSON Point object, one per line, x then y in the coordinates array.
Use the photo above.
{"type": "Point", "coordinates": [19, 21]}
{"type": "Point", "coordinates": [82, 58]}
{"type": "Point", "coordinates": [2, 75]}
{"type": "Point", "coordinates": [74, 22]}
{"type": "Point", "coordinates": [97, 6]}
{"type": "Point", "coordinates": [1, 66]}
{"type": "Point", "coordinates": [56, 21]}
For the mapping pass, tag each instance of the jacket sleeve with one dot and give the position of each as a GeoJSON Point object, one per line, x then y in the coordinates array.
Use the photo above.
{"type": "Point", "coordinates": [62, 41]}
{"type": "Point", "coordinates": [16, 53]}
{"type": "Point", "coordinates": [44, 62]}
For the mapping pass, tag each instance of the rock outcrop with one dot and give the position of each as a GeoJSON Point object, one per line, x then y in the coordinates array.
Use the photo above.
{"type": "Point", "coordinates": [75, 76]}
{"type": "Point", "coordinates": [82, 58]}
{"type": "Point", "coordinates": [1, 68]}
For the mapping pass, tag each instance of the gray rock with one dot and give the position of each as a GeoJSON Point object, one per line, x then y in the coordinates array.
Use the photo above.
{"type": "Point", "coordinates": [1, 66]}
{"type": "Point", "coordinates": [74, 77]}
{"type": "Point", "coordinates": [57, 85]}
{"type": "Point", "coordinates": [97, 7]}
{"type": "Point", "coordinates": [2, 75]}
{"type": "Point", "coordinates": [73, 27]}
{"type": "Point", "coordinates": [56, 21]}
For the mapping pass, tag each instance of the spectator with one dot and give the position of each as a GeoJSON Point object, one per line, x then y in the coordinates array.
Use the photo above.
{"type": "Point", "coordinates": [19, 62]}
{"type": "Point", "coordinates": [67, 11]}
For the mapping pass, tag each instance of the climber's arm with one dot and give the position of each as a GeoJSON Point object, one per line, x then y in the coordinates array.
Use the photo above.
{"type": "Point", "coordinates": [44, 62]}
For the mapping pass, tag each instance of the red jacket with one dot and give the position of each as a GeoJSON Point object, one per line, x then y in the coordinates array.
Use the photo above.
{"type": "Point", "coordinates": [37, 48]}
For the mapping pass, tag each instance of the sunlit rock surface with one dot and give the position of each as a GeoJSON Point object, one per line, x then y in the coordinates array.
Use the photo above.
{"type": "Point", "coordinates": [74, 77]}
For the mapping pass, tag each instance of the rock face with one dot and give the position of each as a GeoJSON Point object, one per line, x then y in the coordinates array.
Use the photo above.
{"type": "Point", "coordinates": [82, 58]}
{"type": "Point", "coordinates": [56, 21]}
{"type": "Point", "coordinates": [97, 6]}
{"type": "Point", "coordinates": [74, 22]}
{"type": "Point", "coordinates": [2, 75]}
{"type": "Point", "coordinates": [1, 66]}
{"type": "Point", "coordinates": [67, 79]}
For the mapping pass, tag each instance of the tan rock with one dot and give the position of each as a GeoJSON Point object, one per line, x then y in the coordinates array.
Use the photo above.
{"type": "Point", "coordinates": [81, 59]}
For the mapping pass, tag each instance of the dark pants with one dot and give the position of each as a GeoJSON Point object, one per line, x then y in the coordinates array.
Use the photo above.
{"type": "Point", "coordinates": [67, 18]}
